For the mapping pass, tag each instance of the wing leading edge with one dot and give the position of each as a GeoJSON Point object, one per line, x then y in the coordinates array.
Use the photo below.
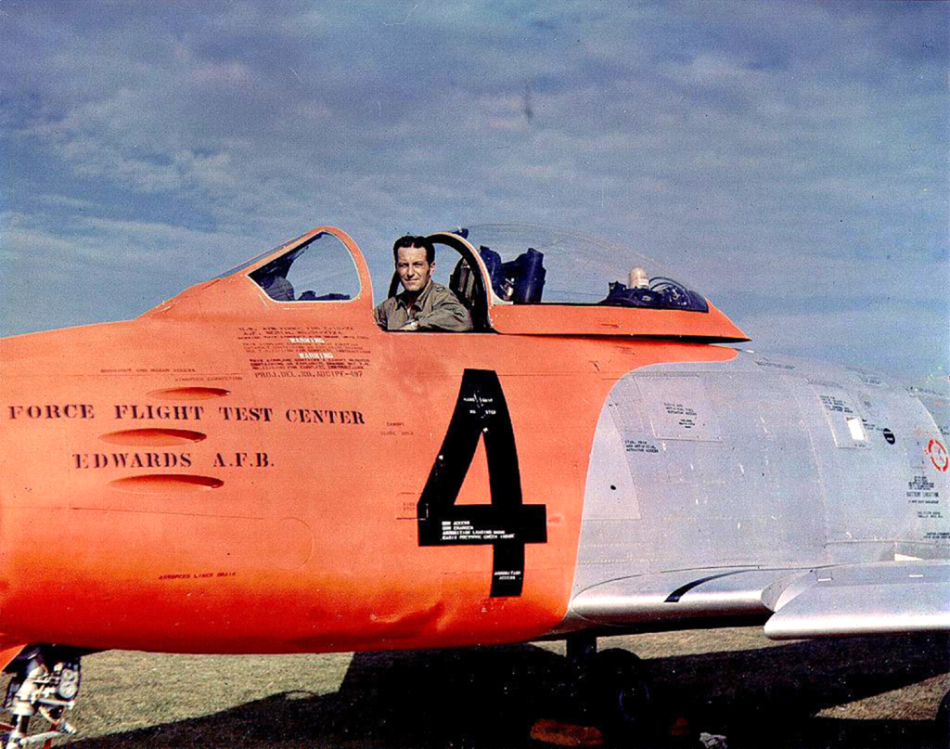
{"type": "Point", "coordinates": [860, 599]}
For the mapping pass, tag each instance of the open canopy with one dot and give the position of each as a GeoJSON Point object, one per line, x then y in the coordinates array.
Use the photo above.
{"type": "Point", "coordinates": [533, 265]}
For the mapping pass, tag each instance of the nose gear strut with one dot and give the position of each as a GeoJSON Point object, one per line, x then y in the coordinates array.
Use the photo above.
{"type": "Point", "coordinates": [45, 682]}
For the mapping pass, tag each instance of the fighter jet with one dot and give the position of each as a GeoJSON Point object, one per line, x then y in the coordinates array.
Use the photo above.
{"type": "Point", "coordinates": [255, 466]}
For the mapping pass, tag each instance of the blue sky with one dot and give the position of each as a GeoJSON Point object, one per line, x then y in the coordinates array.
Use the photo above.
{"type": "Point", "coordinates": [790, 157]}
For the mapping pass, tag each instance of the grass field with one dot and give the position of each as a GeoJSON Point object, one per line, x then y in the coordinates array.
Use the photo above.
{"type": "Point", "coordinates": [838, 693]}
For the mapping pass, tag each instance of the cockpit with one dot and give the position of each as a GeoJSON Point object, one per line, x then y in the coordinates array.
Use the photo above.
{"type": "Point", "coordinates": [512, 279]}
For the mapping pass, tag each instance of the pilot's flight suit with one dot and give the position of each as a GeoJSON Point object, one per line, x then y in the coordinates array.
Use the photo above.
{"type": "Point", "coordinates": [436, 308]}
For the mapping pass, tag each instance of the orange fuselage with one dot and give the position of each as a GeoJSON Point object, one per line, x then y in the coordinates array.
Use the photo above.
{"type": "Point", "coordinates": [169, 485]}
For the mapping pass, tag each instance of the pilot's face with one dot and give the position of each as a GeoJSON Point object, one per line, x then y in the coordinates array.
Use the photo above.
{"type": "Point", "coordinates": [413, 268]}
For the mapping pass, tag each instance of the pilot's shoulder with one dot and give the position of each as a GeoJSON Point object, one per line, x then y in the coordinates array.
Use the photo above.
{"type": "Point", "coordinates": [440, 292]}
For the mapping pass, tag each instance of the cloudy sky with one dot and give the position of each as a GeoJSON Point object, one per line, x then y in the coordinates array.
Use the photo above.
{"type": "Point", "coordinates": [790, 157]}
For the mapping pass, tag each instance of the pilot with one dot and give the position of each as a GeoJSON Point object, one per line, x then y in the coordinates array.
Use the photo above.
{"type": "Point", "coordinates": [423, 303]}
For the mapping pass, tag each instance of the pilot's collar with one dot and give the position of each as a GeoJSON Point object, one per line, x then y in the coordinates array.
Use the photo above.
{"type": "Point", "coordinates": [403, 297]}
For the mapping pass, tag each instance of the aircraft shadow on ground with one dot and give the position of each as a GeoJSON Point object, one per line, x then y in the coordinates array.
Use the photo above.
{"type": "Point", "coordinates": [490, 697]}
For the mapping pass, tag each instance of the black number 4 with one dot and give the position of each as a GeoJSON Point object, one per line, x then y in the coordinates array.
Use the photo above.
{"type": "Point", "coordinates": [507, 523]}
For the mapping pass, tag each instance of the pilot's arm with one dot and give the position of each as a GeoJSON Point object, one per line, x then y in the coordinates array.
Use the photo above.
{"type": "Point", "coordinates": [444, 312]}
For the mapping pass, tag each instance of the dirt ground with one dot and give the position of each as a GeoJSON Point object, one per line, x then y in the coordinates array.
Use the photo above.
{"type": "Point", "coordinates": [881, 692]}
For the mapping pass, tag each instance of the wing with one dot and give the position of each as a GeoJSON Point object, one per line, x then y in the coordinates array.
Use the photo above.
{"type": "Point", "coordinates": [863, 599]}
{"type": "Point", "coordinates": [860, 599]}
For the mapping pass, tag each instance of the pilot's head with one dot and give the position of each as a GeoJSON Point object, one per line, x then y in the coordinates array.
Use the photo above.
{"type": "Point", "coordinates": [415, 261]}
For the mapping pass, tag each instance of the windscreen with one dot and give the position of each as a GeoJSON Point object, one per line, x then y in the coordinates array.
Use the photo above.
{"type": "Point", "coordinates": [321, 270]}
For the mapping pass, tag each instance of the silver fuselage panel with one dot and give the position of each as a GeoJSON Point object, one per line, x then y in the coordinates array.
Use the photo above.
{"type": "Point", "coordinates": [703, 474]}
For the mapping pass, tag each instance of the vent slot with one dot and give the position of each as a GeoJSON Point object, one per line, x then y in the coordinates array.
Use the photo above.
{"type": "Point", "coordinates": [189, 393]}
{"type": "Point", "coordinates": [153, 437]}
{"type": "Point", "coordinates": [158, 483]}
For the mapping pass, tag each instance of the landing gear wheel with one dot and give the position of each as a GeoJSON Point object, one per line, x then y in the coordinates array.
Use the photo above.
{"type": "Point", "coordinates": [622, 695]}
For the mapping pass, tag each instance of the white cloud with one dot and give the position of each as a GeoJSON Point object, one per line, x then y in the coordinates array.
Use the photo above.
{"type": "Point", "coordinates": [756, 138]}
